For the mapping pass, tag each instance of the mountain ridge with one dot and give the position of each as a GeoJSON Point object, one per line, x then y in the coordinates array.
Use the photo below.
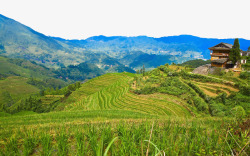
{"type": "Point", "coordinates": [20, 41]}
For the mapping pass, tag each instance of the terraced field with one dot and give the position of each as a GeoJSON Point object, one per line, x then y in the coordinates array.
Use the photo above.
{"type": "Point", "coordinates": [213, 89]}
{"type": "Point", "coordinates": [112, 93]}
{"type": "Point", "coordinates": [48, 99]}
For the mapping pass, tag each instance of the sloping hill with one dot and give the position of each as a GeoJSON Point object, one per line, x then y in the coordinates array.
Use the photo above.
{"type": "Point", "coordinates": [111, 92]}
{"type": "Point", "coordinates": [24, 68]}
{"type": "Point", "coordinates": [14, 88]}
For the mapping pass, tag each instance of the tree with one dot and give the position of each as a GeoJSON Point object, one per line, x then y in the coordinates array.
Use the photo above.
{"type": "Point", "coordinates": [143, 70]}
{"type": "Point", "coordinates": [234, 54]}
{"type": "Point", "coordinates": [248, 49]}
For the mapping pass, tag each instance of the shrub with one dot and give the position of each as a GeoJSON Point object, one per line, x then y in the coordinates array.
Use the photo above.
{"type": "Point", "coordinates": [200, 104]}
{"type": "Point", "coordinates": [238, 112]}
{"type": "Point", "coordinates": [217, 109]}
{"type": "Point", "coordinates": [245, 90]}
{"type": "Point", "coordinates": [245, 75]}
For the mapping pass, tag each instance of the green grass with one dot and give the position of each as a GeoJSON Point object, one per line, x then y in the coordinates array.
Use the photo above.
{"type": "Point", "coordinates": [116, 133]}
{"type": "Point", "coordinates": [24, 113]}
{"type": "Point", "coordinates": [3, 114]}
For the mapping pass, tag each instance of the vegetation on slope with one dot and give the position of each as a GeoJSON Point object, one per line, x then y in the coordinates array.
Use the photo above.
{"type": "Point", "coordinates": [12, 89]}
{"type": "Point", "coordinates": [196, 90]}
{"type": "Point", "coordinates": [79, 72]}
{"type": "Point", "coordinates": [195, 63]}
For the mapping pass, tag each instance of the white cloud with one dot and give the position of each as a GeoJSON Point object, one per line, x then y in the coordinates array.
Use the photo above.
{"type": "Point", "coordinates": [77, 19]}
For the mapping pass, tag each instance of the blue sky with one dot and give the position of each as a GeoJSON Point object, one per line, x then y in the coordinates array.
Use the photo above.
{"type": "Point", "coordinates": [79, 19]}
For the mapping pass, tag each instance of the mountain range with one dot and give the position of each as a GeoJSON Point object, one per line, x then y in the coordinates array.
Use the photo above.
{"type": "Point", "coordinates": [111, 54]}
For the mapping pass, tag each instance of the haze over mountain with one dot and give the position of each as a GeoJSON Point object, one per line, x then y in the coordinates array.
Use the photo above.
{"type": "Point", "coordinates": [108, 53]}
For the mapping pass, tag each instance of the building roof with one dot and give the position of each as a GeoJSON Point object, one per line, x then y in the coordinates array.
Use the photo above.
{"type": "Point", "coordinates": [228, 45]}
{"type": "Point", "coordinates": [222, 46]}
{"type": "Point", "coordinates": [220, 61]}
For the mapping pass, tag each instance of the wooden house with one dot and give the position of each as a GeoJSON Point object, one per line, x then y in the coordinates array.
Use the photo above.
{"type": "Point", "coordinates": [220, 55]}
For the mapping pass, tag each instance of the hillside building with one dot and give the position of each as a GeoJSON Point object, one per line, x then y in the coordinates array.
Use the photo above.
{"type": "Point", "coordinates": [220, 56]}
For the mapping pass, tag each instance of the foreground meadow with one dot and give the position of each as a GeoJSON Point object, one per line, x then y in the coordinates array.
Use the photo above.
{"type": "Point", "coordinates": [113, 132]}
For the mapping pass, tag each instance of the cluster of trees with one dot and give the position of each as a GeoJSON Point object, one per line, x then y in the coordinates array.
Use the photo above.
{"type": "Point", "coordinates": [141, 71]}
{"type": "Point", "coordinates": [79, 72]}
{"type": "Point", "coordinates": [32, 103]}
{"type": "Point", "coordinates": [66, 91]}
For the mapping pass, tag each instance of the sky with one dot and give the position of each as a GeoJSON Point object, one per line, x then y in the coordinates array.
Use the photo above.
{"type": "Point", "coordinates": [80, 19]}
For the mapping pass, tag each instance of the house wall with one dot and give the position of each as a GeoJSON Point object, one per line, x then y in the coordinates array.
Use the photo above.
{"type": "Point", "coordinates": [221, 51]}
{"type": "Point", "coordinates": [214, 58]}
{"type": "Point", "coordinates": [218, 57]}
{"type": "Point", "coordinates": [243, 61]}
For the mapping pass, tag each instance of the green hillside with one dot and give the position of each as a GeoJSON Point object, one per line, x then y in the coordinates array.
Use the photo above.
{"type": "Point", "coordinates": [112, 93]}
{"type": "Point", "coordinates": [13, 89]}
{"type": "Point", "coordinates": [24, 68]}
{"type": "Point", "coordinates": [21, 78]}
{"type": "Point", "coordinates": [166, 90]}
{"type": "Point", "coordinates": [163, 111]}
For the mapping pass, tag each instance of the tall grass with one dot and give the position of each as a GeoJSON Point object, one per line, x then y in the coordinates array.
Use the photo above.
{"type": "Point", "coordinates": [46, 143]}
{"type": "Point", "coordinates": [62, 143]}
{"type": "Point", "coordinates": [179, 136]}
{"type": "Point", "coordinates": [29, 145]}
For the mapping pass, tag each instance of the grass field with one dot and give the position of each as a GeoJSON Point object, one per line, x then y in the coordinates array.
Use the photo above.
{"type": "Point", "coordinates": [91, 133]}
